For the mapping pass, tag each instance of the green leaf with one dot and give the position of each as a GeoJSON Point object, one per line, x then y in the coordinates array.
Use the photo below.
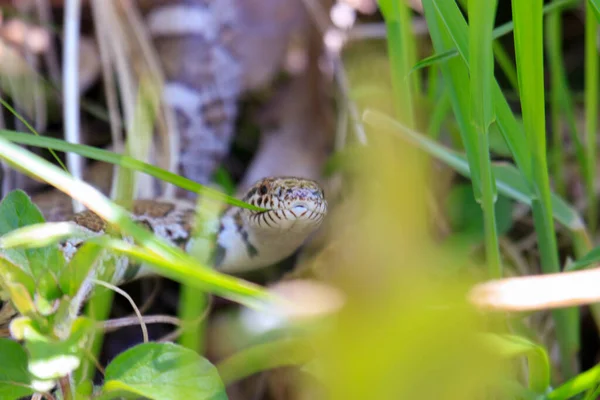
{"type": "Point", "coordinates": [41, 235]}
{"type": "Point", "coordinates": [78, 269]}
{"type": "Point", "coordinates": [50, 358]}
{"type": "Point", "coordinates": [11, 274]}
{"type": "Point", "coordinates": [17, 211]}
{"type": "Point", "coordinates": [265, 356]}
{"type": "Point", "coordinates": [14, 378]}
{"type": "Point", "coordinates": [163, 371]}
{"type": "Point", "coordinates": [466, 217]}
{"type": "Point", "coordinates": [513, 346]}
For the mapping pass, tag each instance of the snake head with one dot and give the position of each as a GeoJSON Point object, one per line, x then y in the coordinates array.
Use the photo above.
{"type": "Point", "coordinates": [292, 203]}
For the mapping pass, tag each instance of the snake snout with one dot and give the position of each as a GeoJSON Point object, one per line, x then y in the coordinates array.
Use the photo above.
{"type": "Point", "coordinates": [308, 206]}
{"type": "Point", "coordinates": [299, 208]}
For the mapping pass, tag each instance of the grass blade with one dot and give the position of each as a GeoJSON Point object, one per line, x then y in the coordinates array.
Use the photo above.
{"type": "Point", "coordinates": [482, 14]}
{"type": "Point", "coordinates": [123, 161]}
{"type": "Point", "coordinates": [591, 108]}
{"type": "Point", "coordinates": [527, 16]}
{"type": "Point", "coordinates": [171, 260]}
{"type": "Point", "coordinates": [509, 180]}
{"type": "Point", "coordinates": [402, 53]}
{"type": "Point", "coordinates": [456, 73]}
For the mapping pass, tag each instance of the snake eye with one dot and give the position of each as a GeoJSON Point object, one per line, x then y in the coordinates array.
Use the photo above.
{"type": "Point", "coordinates": [263, 189]}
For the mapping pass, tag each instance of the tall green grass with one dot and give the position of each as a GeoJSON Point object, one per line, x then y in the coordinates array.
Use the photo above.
{"type": "Point", "coordinates": [479, 106]}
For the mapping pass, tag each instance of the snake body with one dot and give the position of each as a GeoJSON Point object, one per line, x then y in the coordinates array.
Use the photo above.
{"type": "Point", "coordinates": [244, 239]}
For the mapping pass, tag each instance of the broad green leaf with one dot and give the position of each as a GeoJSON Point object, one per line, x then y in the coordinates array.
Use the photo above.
{"type": "Point", "coordinates": [14, 378]}
{"type": "Point", "coordinates": [163, 371]}
{"type": "Point", "coordinates": [265, 356]}
{"type": "Point", "coordinates": [17, 211]}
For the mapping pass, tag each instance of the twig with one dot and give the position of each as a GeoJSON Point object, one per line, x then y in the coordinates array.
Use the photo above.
{"type": "Point", "coordinates": [133, 305]}
{"type": "Point", "coordinates": [65, 387]}
{"type": "Point", "coordinates": [116, 323]}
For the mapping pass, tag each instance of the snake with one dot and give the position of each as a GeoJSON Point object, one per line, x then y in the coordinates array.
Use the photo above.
{"type": "Point", "coordinates": [246, 239]}
{"type": "Point", "coordinates": [290, 210]}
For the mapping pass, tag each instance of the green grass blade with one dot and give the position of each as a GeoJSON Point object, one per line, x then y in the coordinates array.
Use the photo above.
{"type": "Point", "coordinates": [506, 65]}
{"type": "Point", "coordinates": [591, 108]}
{"type": "Point", "coordinates": [497, 33]}
{"type": "Point", "coordinates": [592, 257]}
{"type": "Point", "coordinates": [582, 382]}
{"type": "Point", "coordinates": [509, 180]}
{"type": "Point", "coordinates": [562, 105]}
{"type": "Point", "coordinates": [456, 74]}
{"type": "Point", "coordinates": [527, 17]}
{"type": "Point", "coordinates": [439, 115]}
{"type": "Point", "coordinates": [451, 17]}
{"type": "Point", "coordinates": [123, 161]}
{"type": "Point", "coordinates": [171, 260]}
{"type": "Point", "coordinates": [434, 59]}
{"type": "Point", "coordinates": [193, 305]}
{"type": "Point", "coordinates": [554, 44]}
{"type": "Point", "coordinates": [402, 54]}
{"type": "Point", "coordinates": [595, 8]}
{"type": "Point", "coordinates": [28, 126]}
{"type": "Point", "coordinates": [482, 14]}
